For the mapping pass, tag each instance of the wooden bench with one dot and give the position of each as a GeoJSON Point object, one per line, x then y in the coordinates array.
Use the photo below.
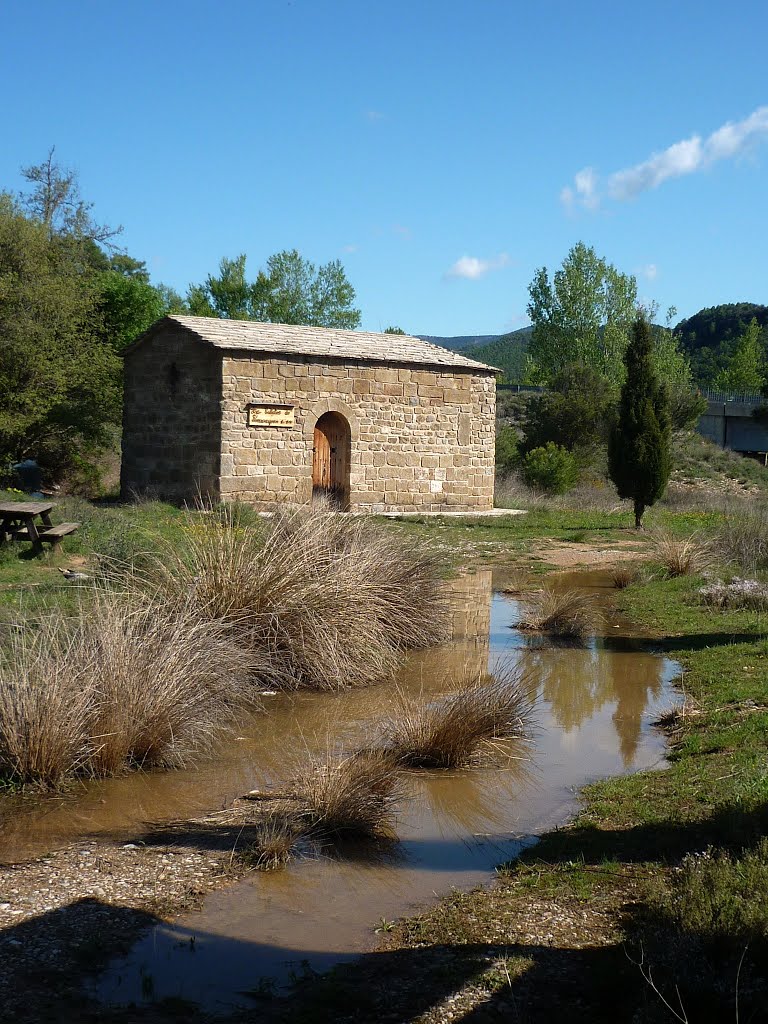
{"type": "Point", "coordinates": [51, 534]}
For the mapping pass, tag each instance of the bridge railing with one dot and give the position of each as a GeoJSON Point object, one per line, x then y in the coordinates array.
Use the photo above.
{"type": "Point", "coordinates": [745, 397]}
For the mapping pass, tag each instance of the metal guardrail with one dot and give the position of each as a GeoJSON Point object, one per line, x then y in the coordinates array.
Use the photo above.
{"type": "Point", "coordinates": [746, 398]}
{"type": "Point", "coordinates": [535, 388]}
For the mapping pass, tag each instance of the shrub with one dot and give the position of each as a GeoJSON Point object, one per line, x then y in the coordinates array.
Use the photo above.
{"type": "Point", "coordinates": [575, 413]}
{"type": "Point", "coordinates": [452, 731]}
{"type": "Point", "coordinates": [551, 468]}
{"type": "Point", "coordinates": [567, 612]}
{"type": "Point", "coordinates": [739, 593]}
{"type": "Point", "coordinates": [507, 454]}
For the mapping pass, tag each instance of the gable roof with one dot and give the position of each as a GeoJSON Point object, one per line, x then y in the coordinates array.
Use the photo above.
{"type": "Point", "coordinates": [282, 339]}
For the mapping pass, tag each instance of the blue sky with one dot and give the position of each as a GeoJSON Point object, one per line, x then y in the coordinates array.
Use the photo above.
{"type": "Point", "coordinates": [442, 150]}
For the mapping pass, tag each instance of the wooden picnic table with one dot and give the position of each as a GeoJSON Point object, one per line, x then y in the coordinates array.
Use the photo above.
{"type": "Point", "coordinates": [18, 521]}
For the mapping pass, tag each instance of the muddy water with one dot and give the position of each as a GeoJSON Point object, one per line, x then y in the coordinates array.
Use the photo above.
{"type": "Point", "coordinates": [593, 716]}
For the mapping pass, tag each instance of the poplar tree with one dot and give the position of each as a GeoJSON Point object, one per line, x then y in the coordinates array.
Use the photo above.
{"type": "Point", "coordinates": [639, 456]}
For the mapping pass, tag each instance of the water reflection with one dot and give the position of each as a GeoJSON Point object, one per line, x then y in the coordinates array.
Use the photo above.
{"type": "Point", "coordinates": [593, 711]}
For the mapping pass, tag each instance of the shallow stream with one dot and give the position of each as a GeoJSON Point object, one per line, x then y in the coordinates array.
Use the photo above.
{"type": "Point", "coordinates": [594, 710]}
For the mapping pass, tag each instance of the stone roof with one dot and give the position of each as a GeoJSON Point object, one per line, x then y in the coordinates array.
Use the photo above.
{"type": "Point", "coordinates": [282, 339]}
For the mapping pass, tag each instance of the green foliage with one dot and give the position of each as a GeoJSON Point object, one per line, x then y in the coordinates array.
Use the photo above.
{"type": "Point", "coordinates": [507, 353]}
{"type": "Point", "coordinates": [551, 468]}
{"type": "Point", "coordinates": [128, 306]}
{"type": "Point", "coordinates": [507, 453]}
{"type": "Point", "coordinates": [576, 413]}
{"type": "Point", "coordinates": [745, 368]}
{"type": "Point", "coordinates": [394, 330]}
{"type": "Point", "coordinates": [58, 381]}
{"type": "Point", "coordinates": [709, 336]}
{"type": "Point", "coordinates": [291, 290]}
{"type": "Point", "coordinates": [583, 315]}
{"type": "Point", "coordinates": [639, 456]}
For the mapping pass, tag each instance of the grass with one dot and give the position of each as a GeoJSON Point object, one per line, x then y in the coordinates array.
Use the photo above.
{"type": "Point", "coordinates": [743, 537]}
{"type": "Point", "coordinates": [320, 600]}
{"type": "Point", "coordinates": [350, 796]}
{"type": "Point", "coordinates": [562, 611]}
{"type": "Point", "coordinates": [681, 556]}
{"type": "Point", "coordinates": [657, 890]}
{"type": "Point", "coordinates": [126, 685]}
{"type": "Point", "coordinates": [453, 731]}
{"type": "Point", "coordinates": [273, 840]}
{"type": "Point", "coordinates": [624, 575]}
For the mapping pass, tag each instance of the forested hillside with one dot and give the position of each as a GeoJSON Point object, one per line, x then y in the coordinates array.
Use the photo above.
{"type": "Point", "coordinates": [709, 337]}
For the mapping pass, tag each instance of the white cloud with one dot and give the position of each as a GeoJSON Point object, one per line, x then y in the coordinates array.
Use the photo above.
{"type": "Point", "coordinates": [350, 248]}
{"type": "Point", "coordinates": [682, 158]}
{"type": "Point", "coordinates": [584, 191]}
{"type": "Point", "coordinates": [472, 268]}
{"type": "Point", "coordinates": [650, 271]}
{"type": "Point", "coordinates": [402, 230]}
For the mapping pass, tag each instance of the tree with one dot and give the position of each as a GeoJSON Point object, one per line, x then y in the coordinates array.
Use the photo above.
{"type": "Point", "coordinates": [290, 290]}
{"type": "Point", "coordinates": [55, 201]}
{"type": "Point", "coordinates": [58, 381]}
{"type": "Point", "coordinates": [583, 315]}
{"type": "Point", "coordinates": [575, 413]}
{"type": "Point", "coordinates": [394, 330]}
{"type": "Point", "coordinates": [745, 370]}
{"type": "Point", "coordinates": [639, 457]}
{"type": "Point", "coordinates": [128, 306]}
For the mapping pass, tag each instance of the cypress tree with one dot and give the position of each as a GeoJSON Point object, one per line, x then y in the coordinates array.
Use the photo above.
{"type": "Point", "coordinates": [639, 456]}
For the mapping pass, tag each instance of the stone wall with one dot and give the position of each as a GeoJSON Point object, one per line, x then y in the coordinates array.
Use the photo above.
{"type": "Point", "coordinates": [171, 418]}
{"type": "Point", "coordinates": [422, 438]}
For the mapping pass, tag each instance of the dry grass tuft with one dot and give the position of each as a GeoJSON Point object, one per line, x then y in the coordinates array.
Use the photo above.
{"type": "Point", "coordinates": [353, 796]}
{"type": "Point", "coordinates": [127, 685]}
{"type": "Point", "coordinates": [624, 575]}
{"type": "Point", "coordinates": [566, 612]}
{"type": "Point", "coordinates": [743, 538]}
{"type": "Point", "coordinates": [273, 840]}
{"type": "Point", "coordinates": [681, 556]}
{"type": "Point", "coordinates": [453, 731]}
{"type": "Point", "coordinates": [321, 600]}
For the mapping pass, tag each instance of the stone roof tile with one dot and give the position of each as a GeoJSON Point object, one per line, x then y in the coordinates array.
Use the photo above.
{"type": "Point", "coordinates": [282, 339]}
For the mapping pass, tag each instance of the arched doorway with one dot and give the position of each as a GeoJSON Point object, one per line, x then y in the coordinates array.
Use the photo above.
{"type": "Point", "coordinates": [330, 460]}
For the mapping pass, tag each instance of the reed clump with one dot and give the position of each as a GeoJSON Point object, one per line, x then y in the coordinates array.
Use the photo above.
{"type": "Point", "coordinates": [273, 840]}
{"type": "Point", "coordinates": [456, 730]}
{"type": "Point", "coordinates": [624, 575]}
{"type": "Point", "coordinates": [321, 600]}
{"type": "Point", "coordinates": [562, 611]}
{"type": "Point", "coordinates": [350, 796]}
{"type": "Point", "coordinates": [743, 537]}
{"type": "Point", "coordinates": [129, 684]}
{"type": "Point", "coordinates": [681, 556]}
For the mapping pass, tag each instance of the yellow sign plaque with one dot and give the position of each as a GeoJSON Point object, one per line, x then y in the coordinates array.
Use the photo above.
{"type": "Point", "coordinates": [271, 416]}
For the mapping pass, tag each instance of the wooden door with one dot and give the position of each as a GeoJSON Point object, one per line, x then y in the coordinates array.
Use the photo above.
{"type": "Point", "coordinates": [330, 460]}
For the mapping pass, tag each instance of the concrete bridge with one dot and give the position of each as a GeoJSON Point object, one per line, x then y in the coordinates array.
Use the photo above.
{"type": "Point", "coordinates": [728, 421]}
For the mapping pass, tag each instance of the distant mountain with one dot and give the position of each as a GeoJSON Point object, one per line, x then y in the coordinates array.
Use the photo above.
{"type": "Point", "coordinates": [507, 351]}
{"type": "Point", "coordinates": [460, 343]}
{"type": "Point", "coordinates": [708, 337]}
